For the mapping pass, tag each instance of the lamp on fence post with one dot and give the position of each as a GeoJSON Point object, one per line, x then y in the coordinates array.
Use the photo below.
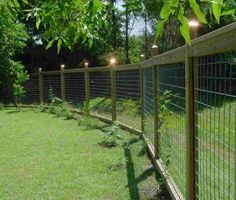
{"type": "Point", "coordinates": [63, 95]}
{"type": "Point", "coordinates": [112, 65]}
{"type": "Point", "coordinates": [191, 76]}
{"type": "Point", "coordinates": [155, 77]}
{"type": "Point", "coordinates": [40, 86]}
{"type": "Point", "coordinates": [87, 87]}
{"type": "Point", "coordinates": [194, 26]}
{"type": "Point", "coordinates": [142, 58]}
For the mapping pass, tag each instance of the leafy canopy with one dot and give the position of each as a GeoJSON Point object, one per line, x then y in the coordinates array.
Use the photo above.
{"type": "Point", "coordinates": [13, 39]}
{"type": "Point", "coordinates": [217, 8]}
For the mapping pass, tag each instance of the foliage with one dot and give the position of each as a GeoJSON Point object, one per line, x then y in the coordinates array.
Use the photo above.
{"type": "Point", "coordinates": [57, 107]}
{"type": "Point", "coordinates": [136, 45]}
{"type": "Point", "coordinates": [18, 84]}
{"type": "Point", "coordinates": [68, 22]}
{"type": "Point", "coordinates": [163, 118]}
{"type": "Point", "coordinates": [89, 122]}
{"type": "Point", "coordinates": [13, 39]}
{"type": "Point", "coordinates": [130, 107]}
{"type": "Point", "coordinates": [216, 8]}
{"type": "Point", "coordinates": [112, 138]}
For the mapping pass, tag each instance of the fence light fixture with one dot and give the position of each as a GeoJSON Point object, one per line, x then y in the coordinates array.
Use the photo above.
{"type": "Point", "coordinates": [154, 50]}
{"type": "Point", "coordinates": [113, 61]}
{"type": "Point", "coordinates": [86, 64]}
{"type": "Point", "coordinates": [142, 56]}
{"type": "Point", "coordinates": [194, 23]}
{"type": "Point", "coordinates": [154, 46]}
{"type": "Point", "coordinates": [62, 65]}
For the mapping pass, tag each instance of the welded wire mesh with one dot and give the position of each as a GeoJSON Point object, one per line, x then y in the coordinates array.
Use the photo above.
{"type": "Point", "coordinates": [148, 105]}
{"type": "Point", "coordinates": [128, 98]}
{"type": "Point", "coordinates": [75, 88]}
{"type": "Point", "coordinates": [172, 128]}
{"type": "Point", "coordinates": [51, 87]}
{"type": "Point", "coordinates": [31, 87]}
{"type": "Point", "coordinates": [216, 126]}
{"type": "Point", "coordinates": [100, 93]}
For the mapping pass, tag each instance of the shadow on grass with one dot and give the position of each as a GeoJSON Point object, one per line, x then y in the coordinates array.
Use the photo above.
{"type": "Point", "coordinates": [13, 111]}
{"type": "Point", "coordinates": [133, 181]}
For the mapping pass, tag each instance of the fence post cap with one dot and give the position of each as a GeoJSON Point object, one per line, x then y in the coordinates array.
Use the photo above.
{"type": "Point", "coordinates": [154, 50]}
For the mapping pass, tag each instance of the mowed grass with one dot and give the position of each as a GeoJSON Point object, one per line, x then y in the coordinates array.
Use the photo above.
{"type": "Point", "coordinates": [44, 157]}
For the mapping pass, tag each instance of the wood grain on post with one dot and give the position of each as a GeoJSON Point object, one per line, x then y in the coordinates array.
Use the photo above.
{"type": "Point", "coordinates": [87, 88]}
{"type": "Point", "coordinates": [155, 78]}
{"type": "Point", "coordinates": [63, 94]}
{"type": "Point", "coordinates": [40, 86]}
{"type": "Point", "coordinates": [142, 58]}
{"type": "Point", "coordinates": [113, 90]}
{"type": "Point", "coordinates": [190, 129]}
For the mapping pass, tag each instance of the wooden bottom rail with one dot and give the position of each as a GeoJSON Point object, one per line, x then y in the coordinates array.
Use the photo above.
{"type": "Point", "coordinates": [169, 182]}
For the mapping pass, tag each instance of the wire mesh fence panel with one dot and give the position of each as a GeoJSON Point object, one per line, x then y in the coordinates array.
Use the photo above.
{"type": "Point", "coordinates": [216, 126]}
{"type": "Point", "coordinates": [100, 93]}
{"type": "Point", "coordinates": [31, 87]}
{"type": "Point", "coordinates": [128, 98]}
{"type": "Point", "coordinates": [148, 105]}
{"type": "Point", "coordinates": [172, 122]}
{"type": "Point", "coordinates": [75, 88]}
{"type": "Point", "coordinates": [51, 87]}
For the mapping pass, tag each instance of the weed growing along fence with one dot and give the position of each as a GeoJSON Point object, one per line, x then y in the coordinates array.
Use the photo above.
{"type": "Point", "coordinates": [183, 101]}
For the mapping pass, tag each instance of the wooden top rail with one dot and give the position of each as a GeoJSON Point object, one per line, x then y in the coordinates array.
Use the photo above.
{"type": "Point", "coordinates": [51, 72]}
{"type": "Point", "coordinates": [127, 67]}
{"type": "Point", "coordinates": [68, 71]}
{"type": "Point", "coordinates": [221, 40]}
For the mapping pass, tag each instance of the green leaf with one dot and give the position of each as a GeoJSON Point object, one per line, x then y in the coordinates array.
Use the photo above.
{"type": "Point", "coordinates": [16, 3]}
{"type": "Point", "coordinates": [38, 22]}
{"type": "Point", "coordinates": [98, 4]}
{"type": "Point", "coordinates": [200, 15]}
{"type": "Point", "coordinates": [216, 8]}
{"type": "Point", "coordinates": [184, 28]}
{"type": "Point", "coordinates": [159, 29]}
{"type": "Point", "coordinates": [50, 44]}
{"type": "Point", "coordinates": [90, 43]}
{"type": "Point", "coordinates": [59, 43]}
{"type": "Point", "coordinates": [228, 12]}
{"type": "Point", "coordinates": [25, 1]}
{"type": "Point", "coordinates": [166, 10]}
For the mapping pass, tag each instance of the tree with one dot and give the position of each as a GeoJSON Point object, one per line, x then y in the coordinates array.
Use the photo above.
{"type": "Point", "coordinates": [184, 9]}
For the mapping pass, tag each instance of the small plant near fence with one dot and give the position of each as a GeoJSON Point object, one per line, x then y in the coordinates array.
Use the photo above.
{"type": "Point", "coordinates": [21, 77]}
{"type": "Point", "coordinates": [163, 117]}
{"type": "Point", "coordinates": [112, 137]}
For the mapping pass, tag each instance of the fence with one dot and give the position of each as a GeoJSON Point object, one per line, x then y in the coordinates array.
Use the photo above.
{"type": "Point", "coordinates": [183, 101]}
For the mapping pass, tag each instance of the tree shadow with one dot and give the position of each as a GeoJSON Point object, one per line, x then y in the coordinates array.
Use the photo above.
{"type": "Point", "coordinates": [133, 181]}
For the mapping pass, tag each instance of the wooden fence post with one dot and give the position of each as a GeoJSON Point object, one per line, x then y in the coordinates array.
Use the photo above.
{"type": "Point", "coordinates": [190, 128]}
{"type": "Point", "coordinates": [155, 104]}
{"type": "Point", "coordinates": [113, 89]}
{"type": "Point", "coordinates": [63, 95]}
{"type": "Point", "coordinates": [142, 58]}
{"type": "Point", "coordinates": [191, 81]}
{"type": "Point", "coordinates": [40, 86]}
{"type": "Point", "coordinates": [87, 88]}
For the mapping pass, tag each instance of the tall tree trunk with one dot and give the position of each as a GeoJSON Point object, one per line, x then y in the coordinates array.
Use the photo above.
{"type": "Point", "coordinates": [145, 33]}
{"type": "Point", "coordinates": [127, 60]}
{"type": "Point", "coordinates": [114, 26]}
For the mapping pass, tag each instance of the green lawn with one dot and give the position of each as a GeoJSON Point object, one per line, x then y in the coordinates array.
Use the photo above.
{"type": "Point", "coordinates": [45, 157]}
